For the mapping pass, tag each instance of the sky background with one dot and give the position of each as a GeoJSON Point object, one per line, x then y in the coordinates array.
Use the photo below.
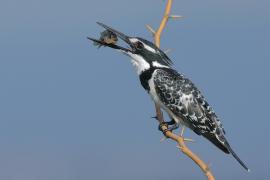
{"type": "Point", "coordinates": [71, 111]}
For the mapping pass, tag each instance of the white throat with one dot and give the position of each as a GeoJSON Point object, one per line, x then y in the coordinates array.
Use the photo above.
{"type": "Point", "coordinates": [139, 63]}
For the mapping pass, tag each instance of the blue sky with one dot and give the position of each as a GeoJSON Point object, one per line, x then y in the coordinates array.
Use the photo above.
{"type": "Point", "coordinates": [71, 111]}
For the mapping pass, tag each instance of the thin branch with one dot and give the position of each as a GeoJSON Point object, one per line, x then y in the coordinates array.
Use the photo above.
{"type": "Point", "coordinates": [175, 16]}
{"type": "Point", "coordinates": [189, 140]}
{"type": "Point", "coordinates": [182, 146]}
{"type": "Point", "coordinates": [150, 29]}
{"type": "Point", "coordinates": [159, 116]}
{"type": "Point", "coordinates": [163, 22]}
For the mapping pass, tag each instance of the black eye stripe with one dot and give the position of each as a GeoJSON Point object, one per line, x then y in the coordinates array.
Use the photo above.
{"type": "Point", "coordinates": [139, 45]}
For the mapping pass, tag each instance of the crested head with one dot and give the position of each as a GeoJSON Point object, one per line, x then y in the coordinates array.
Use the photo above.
{"type": "Point", "coordinates": [144, 54]}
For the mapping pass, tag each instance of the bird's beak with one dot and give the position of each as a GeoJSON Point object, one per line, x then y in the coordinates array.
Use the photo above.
{"type": "Point", "coordinates": [120, 35]}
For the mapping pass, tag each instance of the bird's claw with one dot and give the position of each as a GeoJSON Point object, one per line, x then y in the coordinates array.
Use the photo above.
{"type": "Point", "coordinates": [163, 130]}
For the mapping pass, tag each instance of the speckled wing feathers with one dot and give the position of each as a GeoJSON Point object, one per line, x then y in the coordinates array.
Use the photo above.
{"type": "Point", "coordinates": [181, 97]}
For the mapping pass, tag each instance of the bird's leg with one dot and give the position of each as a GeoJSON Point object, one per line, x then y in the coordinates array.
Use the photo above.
{"type": "Point", "coordinates": [174, 126]}
{"type": "Point", "coordinates": [172, 122]}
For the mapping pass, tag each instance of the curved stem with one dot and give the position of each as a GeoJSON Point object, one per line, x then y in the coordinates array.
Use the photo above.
{"type": "Point", "coordinates": [179, 139]}
{"type": "Point", "coordinates": [182, 146]}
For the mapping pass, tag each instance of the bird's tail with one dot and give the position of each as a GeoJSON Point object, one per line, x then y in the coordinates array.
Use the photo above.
{"type": "Point", "coordinates": [221, 142]}
{"type": "Point", "coordinates": [235, 155]}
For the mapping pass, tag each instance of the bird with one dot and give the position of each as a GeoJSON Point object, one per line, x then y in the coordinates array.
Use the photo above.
{"type": "Point", "coordinates": [171, 90]}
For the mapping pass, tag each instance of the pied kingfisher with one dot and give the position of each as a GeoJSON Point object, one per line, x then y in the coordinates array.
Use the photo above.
{"type": "Point", "coordinates": [175, 93]}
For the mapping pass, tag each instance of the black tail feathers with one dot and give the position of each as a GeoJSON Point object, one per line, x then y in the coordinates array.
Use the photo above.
{"type": "Point", "coordinates": [235, 156]}
{"type": "Point", "coordinates": [225, 147]}
{"type": "Point", "coordinates": [216, 142]}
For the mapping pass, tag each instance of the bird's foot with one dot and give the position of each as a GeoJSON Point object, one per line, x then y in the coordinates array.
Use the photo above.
{"type": "Point", "coordinates": [161, 127]}
{"type": "Point", "coordinates": [169, 126]}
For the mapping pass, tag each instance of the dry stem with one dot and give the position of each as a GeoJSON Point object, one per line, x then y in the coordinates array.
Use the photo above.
{"type": "Point", "coordinates": [179, 139]}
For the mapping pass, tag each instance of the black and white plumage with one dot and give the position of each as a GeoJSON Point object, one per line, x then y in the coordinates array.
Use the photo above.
{"type": "Point", "coordinates": [175, 93]}
{"type": "Point", "coordinates": [185, 104]}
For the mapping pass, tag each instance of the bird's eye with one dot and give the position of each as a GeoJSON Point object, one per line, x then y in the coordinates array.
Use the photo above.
{"type": "Point", "coordinates": [138, 45]}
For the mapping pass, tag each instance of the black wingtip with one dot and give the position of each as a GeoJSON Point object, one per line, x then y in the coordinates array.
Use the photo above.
{"type": "Point", "coordinates": [236, 157]}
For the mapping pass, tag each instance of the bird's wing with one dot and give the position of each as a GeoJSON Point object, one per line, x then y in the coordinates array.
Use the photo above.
{"type": "Point", "coordinates": [180, 96]}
